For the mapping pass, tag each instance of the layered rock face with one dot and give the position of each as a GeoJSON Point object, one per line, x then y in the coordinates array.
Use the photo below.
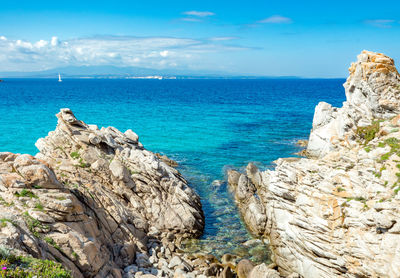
{"type": "Point", "coordinates": [371, 93]}
{"type": "Point", "coordinates": [336, 214]}
{"type": "Point", "coordinates": [95, 200]}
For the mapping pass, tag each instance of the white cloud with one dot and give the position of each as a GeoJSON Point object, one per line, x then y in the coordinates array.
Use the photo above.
{"type": "Point", "coordinates": [41, 43]}
{"type": "Point", "coordinates": [54, 41]}
{"type": "Point", "coordinates": [199, 13]}
{"type": "Point", "coordinates": [381, 23]}
{"type": "Point", "coordinates": [150, 52]}
{"type": "Point", "coordinates": [164, 53]}
{"type": "Point", "coordinates": [276, 19]}
{"type": "Point", "coordinates": [223, 38]}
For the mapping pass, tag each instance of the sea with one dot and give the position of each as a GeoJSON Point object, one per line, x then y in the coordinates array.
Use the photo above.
{"type": "Point", "coordinates": [207, 125]}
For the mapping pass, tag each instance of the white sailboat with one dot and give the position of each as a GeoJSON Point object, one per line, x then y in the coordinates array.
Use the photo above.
{"type": "Point", "coordinates": [59, 78]}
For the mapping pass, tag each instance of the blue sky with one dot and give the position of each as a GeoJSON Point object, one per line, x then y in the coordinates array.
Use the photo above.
{"type": "Point", "coordinates": [270, 38]}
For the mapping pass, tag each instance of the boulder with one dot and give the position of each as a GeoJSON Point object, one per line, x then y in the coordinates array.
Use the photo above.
{"type": "Point", "coordinates": [244, 268]}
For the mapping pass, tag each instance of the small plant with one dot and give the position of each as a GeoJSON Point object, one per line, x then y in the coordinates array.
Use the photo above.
{"type": "Point", "coordinates": [4, 221]}
{"type": "Point", "coordinates": [33, 224]}
{"type": "Point", "coordinates": [360, 199]}
{"type": "Point", "coordinates": [340, 189]}
{"type": "Point", "coordinates": [381, 144]}
{"type": "Point", "coordinates": [82, 164]}
{"type": "Point", "coordinates": [51, 241]}
{"type": "Point", "coordinates": [26, 193]}
{"type": "Point", "coordinates": [37, 186]}
{"type": "Point", "coordinates": [75, 255]}
{"type": "Point", "coordinates": [39, 206]}
{"type": "Point", "coordinates": [367, 149]}
{"type": "Point", "coordinates": [385, 156]}
{"type": "Point", "coordinates": [368, 133]}
{"type": "Point", "coordinates": [75, 155]}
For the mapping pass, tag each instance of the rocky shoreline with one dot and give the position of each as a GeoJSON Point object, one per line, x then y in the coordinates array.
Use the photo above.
{"type": "Point", "coordinates": [96, 201]}
{"type": "Point", "coordinates": [335, 213]}
{"type": "Point", "coordinates": [103, 206]}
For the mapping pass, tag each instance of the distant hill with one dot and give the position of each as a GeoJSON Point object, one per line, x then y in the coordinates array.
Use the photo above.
{"type": "Point", "coordinates": [104, 72]}
{"type": "Point", "coordinates": [122, 72]}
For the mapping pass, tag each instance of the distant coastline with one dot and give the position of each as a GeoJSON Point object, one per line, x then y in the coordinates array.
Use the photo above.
{"type": "Point", "coordinates": [113, 72]}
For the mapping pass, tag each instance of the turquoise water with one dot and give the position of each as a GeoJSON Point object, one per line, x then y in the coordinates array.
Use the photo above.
{"type": "Point", "coordinates": [205, 125]}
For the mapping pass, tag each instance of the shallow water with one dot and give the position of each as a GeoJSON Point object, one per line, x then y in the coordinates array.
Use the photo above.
{"type": "Point", "coordinates": [205, 125]}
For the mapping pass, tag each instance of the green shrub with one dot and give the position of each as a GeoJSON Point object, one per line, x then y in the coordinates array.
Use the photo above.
{"type": "Point", "coordinates": [368, 133]}
{"type": "Point", "coordinates": [12, 266]}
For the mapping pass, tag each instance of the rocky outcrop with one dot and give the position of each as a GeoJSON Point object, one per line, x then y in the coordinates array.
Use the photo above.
{"type": "Point", "coordinates": [96, 201]}
{"type": "Point", "coordinates": [372, 92]}
{"type": "Point", "coordinates": [336, 213]}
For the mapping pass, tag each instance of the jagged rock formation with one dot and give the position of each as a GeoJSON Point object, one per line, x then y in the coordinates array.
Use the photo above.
{"type": "Point", "coordinates": [97, 201]}
{"type": "Point", "coordinates": [371, 93]}
{"type": "Point", "coordinates": [336, 214]}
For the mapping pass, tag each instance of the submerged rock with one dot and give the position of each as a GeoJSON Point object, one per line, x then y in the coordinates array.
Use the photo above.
{"type": "Point", "coordinates": [336, 214]}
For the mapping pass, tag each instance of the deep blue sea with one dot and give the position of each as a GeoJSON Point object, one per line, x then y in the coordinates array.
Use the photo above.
{"type": "Point", "coordinates": [205, 125]}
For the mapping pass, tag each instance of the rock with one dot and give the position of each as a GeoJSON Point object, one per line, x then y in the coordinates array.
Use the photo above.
{"type": "Point", "coordinates": [167, 160]}
{"type": "Point", "coordinates": [213, 270]}
{"type": "Point", "coordinates": [226, 273]}
{"type": "Point", "coordinates": [132, 136]}
{"type": "Point", "coordinates": [370, 94]}
{"type": "Point", "coordinates": [244, 268]}
{"type": "Point", "coordinates": [175, 261]}
{"type": "Point", "coordinates": [335, 214]}
{"type": "Point", "coordinates": [229, 259]}
{"type": "Point", "coordinates": [252, 242]}
{"type": "Point", "coordinates": [262, 271]}
{"type": "Point", "coordinates": [142, 260]}
{"type": "Point", "coordinates": [302, 143]}
{"type": "Point", "coordinates": [233, 177]}
{"type": "Point", "coordinates": [217, 183]}
{"type": "Point", "coordinates": [94, 199]}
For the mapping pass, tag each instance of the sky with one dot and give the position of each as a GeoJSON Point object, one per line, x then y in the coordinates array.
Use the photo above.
{"type": "Point", "coordinates": [258, 38]}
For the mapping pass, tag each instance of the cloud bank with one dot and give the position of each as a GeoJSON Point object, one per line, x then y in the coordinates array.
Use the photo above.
{"type": "Point", "coordinates": [149, 52]}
